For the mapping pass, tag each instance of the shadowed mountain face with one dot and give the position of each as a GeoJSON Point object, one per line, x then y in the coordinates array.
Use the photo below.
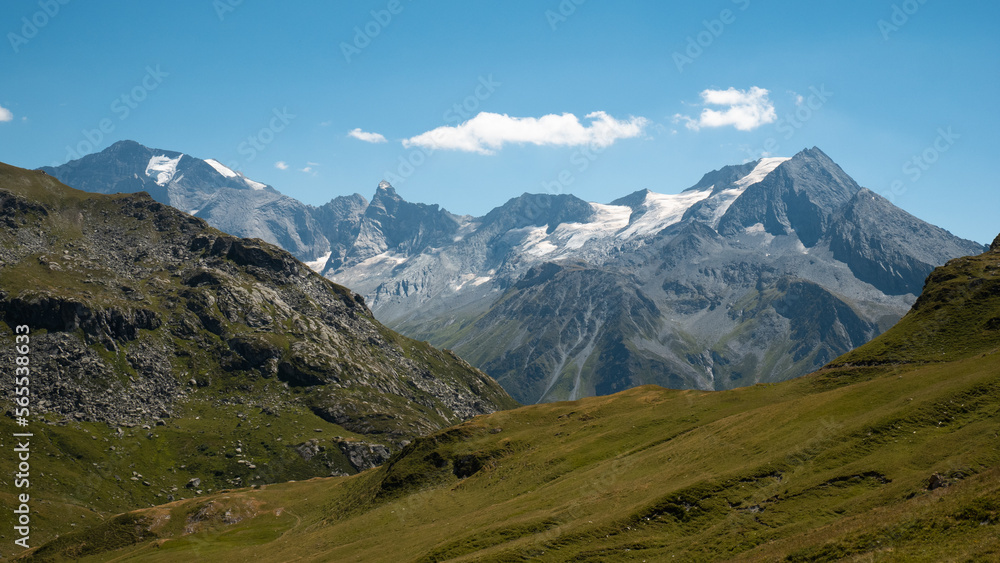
{"type": "Point", "coordinates": [144, 316]}
{"type": "Point", "coordinates": [716, 270]}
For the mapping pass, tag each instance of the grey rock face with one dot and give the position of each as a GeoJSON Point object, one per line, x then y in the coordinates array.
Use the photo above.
{"type": "Point", "coordinates": [340, 222]}
{"type": "Point", "coordinates": [888, 248]}
{"type": "Point", "coordinates": [389, 222]}
{"type": "Point", "coordinates": [801, 196]}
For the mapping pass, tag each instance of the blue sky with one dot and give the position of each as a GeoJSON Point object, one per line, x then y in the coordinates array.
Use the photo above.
{"type": "Point", "coordinates": [901, 93]}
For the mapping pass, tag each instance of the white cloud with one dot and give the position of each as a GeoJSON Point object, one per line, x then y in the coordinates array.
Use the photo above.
{"type": "Point", "coordinates": [281, 165]}
{"type": "Point", "coordinates": [488, 132]}
{"type": "Point", "coordinates": [747, 109]}
{"type": "Point", "coordinates": [5, 114]}
{"type": "Point", "coordinates": [366, 136]}
{"type": "Point", "coordinates": [307, 169]}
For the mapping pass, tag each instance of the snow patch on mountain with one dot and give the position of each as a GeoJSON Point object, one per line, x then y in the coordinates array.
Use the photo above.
{"type": "Point", "coordinates": [318, 264]}
{"type": "Point", "coordinates": [662, 210]}
{"type": "Point", "coordinates": [229, 173]}
{"type": "Point", "coordinates": [253, 185]}
{"type": "Point", "coordinates": [380, 260]}
{"type": "Point", "coordinates": [763, 168]}
{"type": "Point", "coordinates": [534, 241]}
{"type": "Point", "coordinates": [471, 280]}
{"type": "Point", "coordinates": [162, 168]}
{"type": "Point", "coordinates": [220, 168]}
{"type": "Point", "coordinates": [606, 221]}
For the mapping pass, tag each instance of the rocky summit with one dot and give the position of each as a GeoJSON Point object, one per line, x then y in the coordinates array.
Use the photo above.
{"type": "Point", "coordinates": [193, 354]}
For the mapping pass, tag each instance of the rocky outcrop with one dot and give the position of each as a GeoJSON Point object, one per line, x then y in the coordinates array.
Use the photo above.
{"type": "Point", "coordinates": [363, 455]}
{"type": "Point", "coordinates": [83, 383]}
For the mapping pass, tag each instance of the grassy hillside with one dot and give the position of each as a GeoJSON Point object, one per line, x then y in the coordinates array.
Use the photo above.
{"type": "Point", "coordinates": [891, 454]}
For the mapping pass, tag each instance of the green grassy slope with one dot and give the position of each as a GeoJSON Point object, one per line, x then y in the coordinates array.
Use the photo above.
{"type": "Point", "coordinates": [891, 454]}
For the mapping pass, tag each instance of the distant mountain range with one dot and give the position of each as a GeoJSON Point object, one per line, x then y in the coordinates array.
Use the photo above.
{"type": "Point", "coordinates": [760, 272]}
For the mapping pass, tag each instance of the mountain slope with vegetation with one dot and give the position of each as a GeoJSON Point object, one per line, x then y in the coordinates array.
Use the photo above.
{"type": "Point", "coordinates": [889, 453]}
{"type": "Point", "coordinates": [169, 359]}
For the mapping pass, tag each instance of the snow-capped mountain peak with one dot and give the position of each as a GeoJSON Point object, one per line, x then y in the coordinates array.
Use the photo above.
{"type": "Point", "coordinates": [251, 184]}
{"type": "Point", "coordinates": [215, 192]}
